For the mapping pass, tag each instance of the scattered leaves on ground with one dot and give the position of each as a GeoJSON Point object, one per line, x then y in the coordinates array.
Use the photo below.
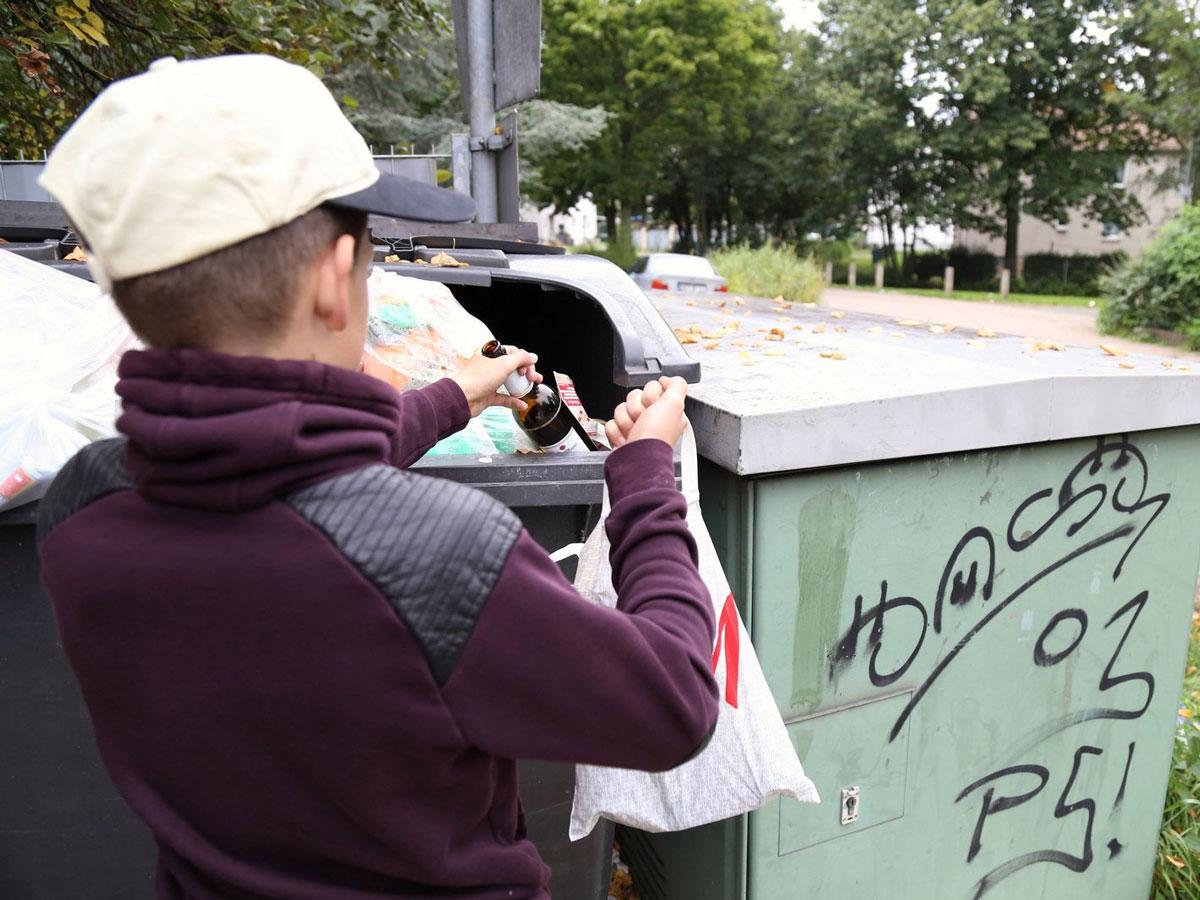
{"type": "Point", "coordinates": [985, 332]}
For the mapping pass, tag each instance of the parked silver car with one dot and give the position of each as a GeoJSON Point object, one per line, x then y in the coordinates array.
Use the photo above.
{"type": "Point", "coordinates": [676, 272]}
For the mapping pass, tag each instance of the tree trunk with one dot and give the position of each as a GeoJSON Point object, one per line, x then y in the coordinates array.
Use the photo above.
{"type": "Point", "coordinates": [1012, 225]}
{"type": "Point", "coordinates": [610, 220]}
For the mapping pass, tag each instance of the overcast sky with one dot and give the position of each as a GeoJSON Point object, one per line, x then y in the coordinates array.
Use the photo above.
{"type": "Point", "coordinates": [801, 14]}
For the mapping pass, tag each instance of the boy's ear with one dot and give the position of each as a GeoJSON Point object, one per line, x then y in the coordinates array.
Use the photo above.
{"type": "Point", "coordinates": [333, 283]}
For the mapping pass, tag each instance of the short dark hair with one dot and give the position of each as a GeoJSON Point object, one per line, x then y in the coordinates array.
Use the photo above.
{"type": "Point", "coordinates": [248, 289]}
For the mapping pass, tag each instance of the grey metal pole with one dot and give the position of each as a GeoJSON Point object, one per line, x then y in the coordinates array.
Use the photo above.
{"type": "Point", "coordinates": [482, 110]}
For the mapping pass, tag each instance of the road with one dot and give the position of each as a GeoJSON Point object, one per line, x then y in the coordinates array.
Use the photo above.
{"type": "Point", "coordinates": [1066, 324]}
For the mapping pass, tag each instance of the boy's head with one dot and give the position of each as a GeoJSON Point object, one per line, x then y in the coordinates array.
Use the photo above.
{"type": "Point", "coordinates": [224, 201]}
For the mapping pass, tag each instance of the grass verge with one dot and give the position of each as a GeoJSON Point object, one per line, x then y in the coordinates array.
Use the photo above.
{"type": "Point", "coordinates": [985, 296]}
{"type": "Point", "coordinates": [1177, 865]}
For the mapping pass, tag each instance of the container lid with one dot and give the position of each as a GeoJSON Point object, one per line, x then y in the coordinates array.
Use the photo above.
{"type": "Point", "coordinates": [830, 389]}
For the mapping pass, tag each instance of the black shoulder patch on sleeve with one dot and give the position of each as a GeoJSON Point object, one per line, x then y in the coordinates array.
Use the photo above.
{"type": "Point", "coordinates": [94, 472]}
{"type": "Point", "coordinates": [433, 548]}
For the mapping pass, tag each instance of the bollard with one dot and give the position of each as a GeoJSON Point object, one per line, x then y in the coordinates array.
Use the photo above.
{"type": "Point", "coordinates": [879, 276]}
{"type": "Point", "coordinates": [1005, 281]}
{"type": "Point", "coordinates": [852, 275]}
{"type": "Point", "coordinates": [829, 273]}
{"type": "Point", "coordinates": [949, 281]}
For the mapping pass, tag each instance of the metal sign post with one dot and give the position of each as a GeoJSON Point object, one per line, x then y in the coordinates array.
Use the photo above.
{"type": "Point", "coordinates": [499, 65]}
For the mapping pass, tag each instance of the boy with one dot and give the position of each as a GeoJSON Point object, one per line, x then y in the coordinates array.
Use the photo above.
{"type": "Point", "coordinates": [309, 670]}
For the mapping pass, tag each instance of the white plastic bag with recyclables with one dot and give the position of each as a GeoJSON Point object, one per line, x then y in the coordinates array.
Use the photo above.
{"type": "Point", "coordinates": [418, 333]}
{"type": "Point", "coordinates": [749, 759]}
{"type": "Point", "coordinates": [59, 349]}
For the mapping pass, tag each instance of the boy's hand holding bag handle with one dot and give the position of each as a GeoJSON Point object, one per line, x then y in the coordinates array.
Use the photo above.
{"type": "Point", "coordinates": [749, 758]}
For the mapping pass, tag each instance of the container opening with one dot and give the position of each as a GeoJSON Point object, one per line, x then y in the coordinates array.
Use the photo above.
{"type": "Point", "coordinates": [569, 332]}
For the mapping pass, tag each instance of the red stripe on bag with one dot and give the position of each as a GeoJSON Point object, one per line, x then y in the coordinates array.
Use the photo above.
{"type": "Point", "coordinates": [727, 635]}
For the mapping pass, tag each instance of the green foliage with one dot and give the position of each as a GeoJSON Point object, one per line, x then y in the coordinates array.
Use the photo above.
{"type": "Point", "coordinates": [55, 57]}
{"type": "Point", "coordinates": [1161, 288]}
{"type": "Point", "coordinates": [768, 272]}
{"type": "Point", "coordinates": [1165, 35]}
{"type": "Point", "coordinates": [1177, 865]}
{"type": "Point", "coordinates": [833, 250]}
{"type": "Point", "coordinates": [1028, 119]}
{"type": "Point", "coordinates": [684, 83]}
{"type": "Point", "coordinates": [1078, 273]}
{"type": "Point", "coordinates": [620, 254]}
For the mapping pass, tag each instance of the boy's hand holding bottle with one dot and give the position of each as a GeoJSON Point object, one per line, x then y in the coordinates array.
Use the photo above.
{"type": "Point", "coordinates": [481, 378]}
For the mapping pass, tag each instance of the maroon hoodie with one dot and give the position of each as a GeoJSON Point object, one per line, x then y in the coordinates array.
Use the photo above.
{"type": "Point", "coordinates": [310, 670]}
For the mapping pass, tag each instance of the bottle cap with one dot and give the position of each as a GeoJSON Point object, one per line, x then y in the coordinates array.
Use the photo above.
{"type": "Point", "coordinates": [517, 385]}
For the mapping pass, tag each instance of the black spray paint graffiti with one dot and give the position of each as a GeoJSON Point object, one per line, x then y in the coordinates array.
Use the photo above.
{"type": "Point", "coordinates": [1113, 475]}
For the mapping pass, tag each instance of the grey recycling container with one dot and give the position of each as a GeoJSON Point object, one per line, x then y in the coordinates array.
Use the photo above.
{"type": "Point", "coordinates": [64, 830]}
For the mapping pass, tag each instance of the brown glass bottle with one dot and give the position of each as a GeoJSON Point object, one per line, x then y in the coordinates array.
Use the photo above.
{"type": "Point", "coordinates": [545, 418]}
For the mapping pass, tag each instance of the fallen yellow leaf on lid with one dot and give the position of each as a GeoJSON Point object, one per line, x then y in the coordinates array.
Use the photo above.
{"type": "Point", "coordinates": [819, 328]}
{"type": "Point", "coordinates": [774, 337]}
{"type": "Point", "coordinates": [779, 299]}
{"type": "Point", "coordinates": [1110, 350]}
{"type": "Point", "coordinates": [740, 302]}
{"type": "Point", "coordinates": [76, 255]}
{"type": "Point", "coordinates": [912, 323]}
{"type": "Point", "coordinates": [774, 353]}
{"type": "Point", "coordinates": [985, 332]}
{"type": "Point", "coordinates": [840, 328]}
{"type": "Point", "coordinates": [838, 314]}
{"type": "Point", "coordinates": [1049, 345]}
{"type": "Point", "coordinates": [691, 303]}
{"type": "Point", "coordinates": [446, 260]}
{"type": "Point", "coordinates": [833, 354]}
{"type": "Point", "coordinates": [936, 329]}
{"type": "Point", "coordinates": [875, 329]}
{"type": "Point", "coordinates": [1167, 364]}
{"type": "Point", "coordinates": [712, 345]}
{"type": "Point", "coordinates": [1126, 365]}
{"type": "Point", "coordinates": [797, 328]}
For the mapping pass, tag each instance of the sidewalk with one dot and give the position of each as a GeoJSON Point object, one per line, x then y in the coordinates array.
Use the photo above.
{"type": "Point", "coordinates": [1067, 324]}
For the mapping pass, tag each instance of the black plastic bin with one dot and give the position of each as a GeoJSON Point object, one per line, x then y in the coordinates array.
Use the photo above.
{"type": "Point", "coordinates": [65, 832]}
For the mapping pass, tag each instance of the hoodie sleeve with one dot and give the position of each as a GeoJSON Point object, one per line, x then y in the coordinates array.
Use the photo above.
{"type": "Point", "coordinates": [549, 675]}
{"type": "Point", "coordinates": [427, 415]}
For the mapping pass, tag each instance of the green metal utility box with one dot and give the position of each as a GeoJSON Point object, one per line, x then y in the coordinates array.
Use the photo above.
{"type": "Point", "coordinates": [968, 569]}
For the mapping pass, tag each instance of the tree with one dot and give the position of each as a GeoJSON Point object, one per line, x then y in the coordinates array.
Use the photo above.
{"type": "Point", "coordinates": [1028, 117]}
{"type": "Point", "coordinates": [679, 80]}
{"type": "Point", "coordinates": [884, 139]}
{"type": "Point", "coordinates": [55, 57]}
{"type": "Point", "coordinates": [1165, 37]}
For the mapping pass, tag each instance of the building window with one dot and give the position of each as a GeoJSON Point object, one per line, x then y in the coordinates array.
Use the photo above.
{"type": "Point", "coordinates": [1119, 175]}
{"type": "Point", "coordinates": [1110, 232]}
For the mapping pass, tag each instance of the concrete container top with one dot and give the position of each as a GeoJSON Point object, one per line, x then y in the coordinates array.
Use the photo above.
{"type": "Point", "coordinates": [788, 387]}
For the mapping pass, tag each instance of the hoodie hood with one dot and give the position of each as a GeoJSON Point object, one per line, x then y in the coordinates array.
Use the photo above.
{"type": "Point", "coordinates": [227, 433]}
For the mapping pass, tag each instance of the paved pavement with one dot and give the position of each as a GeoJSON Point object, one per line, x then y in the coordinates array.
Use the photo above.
{"type": "Point", "coordinates": [1067, 324]}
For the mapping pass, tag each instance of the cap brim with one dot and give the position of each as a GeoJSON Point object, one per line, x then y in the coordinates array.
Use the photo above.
{"type": "Point", "coordinates": [407, 198]}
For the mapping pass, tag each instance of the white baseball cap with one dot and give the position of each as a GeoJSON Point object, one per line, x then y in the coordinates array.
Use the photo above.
{"type": "Point", "coordinates": [191, 157]}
